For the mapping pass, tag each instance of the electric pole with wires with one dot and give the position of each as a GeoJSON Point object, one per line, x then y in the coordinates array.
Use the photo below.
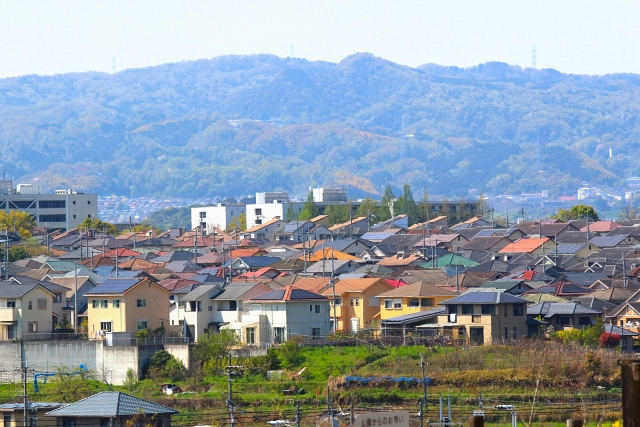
{"type": "Point", "coordinates": [232, 371]}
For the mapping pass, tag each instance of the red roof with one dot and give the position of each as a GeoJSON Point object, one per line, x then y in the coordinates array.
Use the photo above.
{"type": "Point", "coordinates": [240, 253]}
{"type": "Point", "coordinates": [524, 245]}
{"type": "Point", "coordinates": [173, 284]}
{"type": "Point", "coordinates": [122, 253]}
{"type": "Point", "coordinates": [396, 283]}
{"type": "Point", "coordinates": [601, 226]}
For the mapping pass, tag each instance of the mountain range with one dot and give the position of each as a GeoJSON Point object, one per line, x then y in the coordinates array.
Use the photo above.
{"type": "Point", "coordinates": [233, 125]}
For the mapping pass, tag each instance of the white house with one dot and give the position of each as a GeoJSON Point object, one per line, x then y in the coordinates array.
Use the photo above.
{"type": "Point", "coordinates": [259, 213]}
{"type": "Point", "coordinates": [282, 314]}
{"type": "Point", "coordinates": [212, 217]}
{"type": "Point", "coordinates": [209, 307]}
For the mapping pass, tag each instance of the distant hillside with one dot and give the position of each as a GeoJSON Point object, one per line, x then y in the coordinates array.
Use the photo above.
{"type": "Point", "coordinates": [164, 130]}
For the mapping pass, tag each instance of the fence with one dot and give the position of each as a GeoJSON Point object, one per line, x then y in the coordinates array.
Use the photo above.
{"type": "Point", "coordinates": [51, 336]}
{"type": "Point", "coordinates": [147, 341]}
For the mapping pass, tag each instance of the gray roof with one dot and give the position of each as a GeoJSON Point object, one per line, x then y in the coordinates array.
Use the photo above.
{"type": "Point", "coordinates": [608, 241]}
{"type": "Point", "coordinates": [110, 404]}
{"type": "Point", "coordinates": [485, 298]}
{"type": "Point", "coordinates": [114, 286]}
{"type": "Point", "coordinates": [201, 290]}
{"type": "Point", "coordinates": [548, 309]}
{"type": "Point", "coordinates": [414, 317]}
{"type": "Point", "coordinates": [235, 290]}
{"type": "Point", "coordinates": [32, 405]}
{"type": "Point", "coordinates": [11, 290]}
{"type": "Point", "coordinates": [567, 248]}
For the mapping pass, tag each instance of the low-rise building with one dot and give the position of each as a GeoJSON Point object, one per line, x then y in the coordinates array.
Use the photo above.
{"type": "Point", "coordinates": [410, 299]}
{"type": "Point", "coordinates": [24, 309]}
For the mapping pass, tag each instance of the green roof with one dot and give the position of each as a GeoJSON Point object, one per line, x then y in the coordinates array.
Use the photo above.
{"type": "Point", "coordinates": [451, 259]}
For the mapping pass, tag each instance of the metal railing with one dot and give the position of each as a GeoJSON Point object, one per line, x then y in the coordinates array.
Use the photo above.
{"type": "Point", "coordinates": [150, 341]}
{"type": "Point", "coordinates": [50, 336]}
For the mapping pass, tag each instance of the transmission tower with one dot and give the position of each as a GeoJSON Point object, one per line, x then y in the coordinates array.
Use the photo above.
{"type": "Point", "coordinates": [533, 57]}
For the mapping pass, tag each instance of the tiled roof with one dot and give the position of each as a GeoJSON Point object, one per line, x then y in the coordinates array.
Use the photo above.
{"type": "Point", "coordinates": [549, 309]}
{"type": "Point", "coordinates": [354, 285]}
{"type": "Point", "coordinates": [330, 253]}
{"type": "Point", "coordinates": [11, 290]}
{"type": "Point", "coordinates": [414, 317]}
{"type": "Point", "coordinates": [417, 289]}
{"type": "Point", "coordinates": [485, 298]}
{"type": "Point", "coordinates": [110, 404]}
{"type": "Point", "coordinates": [396, 261]}
{"type": "Point", "coordinates": [524, 245]}
{"type": "Point", "coordinates": [114, 286]}
{"type": "Point", "coordinates": [263, 225]}
{"type": "Point", "coordinates": [289, 293]}
{"type": "Point", "coordinates": [601, 226]}
{"type": "Point", "coordinates": [608, 241]}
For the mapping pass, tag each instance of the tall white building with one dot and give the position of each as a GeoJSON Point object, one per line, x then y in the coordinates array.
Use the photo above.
{"type": "Point", "coordinates": [63, 210]}
{"type": "Point", "coordinates": [258, 213]}
{"type": "Point", "coordinates": [330, 195]}
{"type": "Point", "coordinates": [218, 216]}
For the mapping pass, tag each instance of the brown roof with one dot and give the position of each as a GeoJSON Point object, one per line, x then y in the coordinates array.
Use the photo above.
{"type": "Point", "coordinates": [37, 274]}
{"type": "Point", "coordinates": [354, 285]}
{"type": "Point", "coordinates": [348, 223]}
{"type": "Point", "coordinates": [136, 264]}
{"type": "Point", "coordinates": [261, 226]}
{"type": "Point", "coordinates": [418, 289]}
{"type": "Point", "coordinates": [427, 276]}
{"type": "Point", "coordinates": [396, 261]}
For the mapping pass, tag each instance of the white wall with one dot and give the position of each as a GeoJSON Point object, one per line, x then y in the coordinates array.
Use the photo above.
{"type": "Point", "coordinates": [217, 216]}
{"type": "Point", "coordinates": [270, 211]}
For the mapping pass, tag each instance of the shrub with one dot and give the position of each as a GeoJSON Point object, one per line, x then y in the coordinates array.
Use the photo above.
{"type": "Point", "coordinates": [609, 340]}
{"type": "Point", "coordinates": [290, 353]}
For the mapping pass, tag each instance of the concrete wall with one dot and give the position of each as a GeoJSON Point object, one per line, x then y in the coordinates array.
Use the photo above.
{"type": "Point", "coordinates": [112, 362]}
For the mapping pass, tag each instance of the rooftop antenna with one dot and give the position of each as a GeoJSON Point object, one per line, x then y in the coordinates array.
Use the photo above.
{"type": "Point", "coordinates": [113, 65]}
{"type": "Point", "coordinates": [293, 55]}
{"type": "Point", "coordinates": [533, 57]}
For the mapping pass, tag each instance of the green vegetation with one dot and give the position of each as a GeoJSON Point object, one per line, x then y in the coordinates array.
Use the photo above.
{"type": "Point", "coordinates": [17, 222]}
{"type": "Point", "coordinates": [577, 212]}
{"type": "Point", "coordinates": [138, 132]}
{"type": "Point", "coordinates": [98, 225]}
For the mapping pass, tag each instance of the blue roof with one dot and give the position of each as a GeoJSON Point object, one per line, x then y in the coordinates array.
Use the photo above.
{"type": "Point", "coordinates": [376, 236]}
{"type": "Point", "coordinates": [567, 249]}
{"type": "Point", "coordinates": [114, 286]}
{"type": "Point", "coordinates": [259, 261]}
{"type": "Point", "coordinates": [110, 404]}
{"type": "Point", "coordinates": [486, 298]}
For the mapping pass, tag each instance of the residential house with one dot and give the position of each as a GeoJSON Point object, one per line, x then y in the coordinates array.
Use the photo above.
{"type": "Point", "coordinates": [488, 244]}
{"type": "Point", "coordinates": [355, 304]}
{"type": "Point", "coordinates": [600, 227]}
{"type": "Point", "coordinates": [615, 241]}
{"type": "Point", "coordinates": [513, 287]}
{"type": "Point", "coordinates": [127, 305]}
{"type": "Point", "coordinates": [567, 315]}
{"type": "Point", "coordinates": [253, 263]}
{"type": "Point", "coordinates": [532, 246]}
{"type": "Point", "coordinates": [112, 408]}
{"type": "Point", "coordinates": [283, 314]}
{"type": "Point", "coordinates": [266, 230]}
{"type": "Point", "coordinates": [64, 303]}
{"type": "Point", "coordinates": [208, 307]}
{"type": "Point", "coordinates": [485, 317]}
{"type": "Point", "coordinates": [24, 309]}
{"type": "Point", "coordinates": [451, 242]}
{"type": "Point", "coordinates": [410, 299]}
{"type": "Point", "coordinates": [13, 414]}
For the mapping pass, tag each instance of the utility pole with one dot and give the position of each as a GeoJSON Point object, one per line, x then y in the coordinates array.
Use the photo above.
{"type": "Point", "coordinates": [75, 298]}
{"type": "Point", "coordinates": [232, 371]}
{"type": "Point", "coordinates": [424, 390]}
{"type": "Point", "coordinates": [298, 417]}
{"type": "Point", "coordinates": [195, 245]}
{"type": "Point", "coordinates": [6, 254]}
{"type": "Point", "coordinates": [24, 370]}
{"type": "Point", "coordinates": [333, 294]}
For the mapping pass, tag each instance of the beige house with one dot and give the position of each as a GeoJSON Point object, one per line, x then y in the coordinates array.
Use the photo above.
{"type": "Point", "coordinates": [24, 309]}
{"type": "Point", "coordinates": [13, 414]}
{"type": "Point", "coordinates": [410, 299]}
{"type": "Point", "coordinates": [356, 305]}
{"type": "Point", "coordinates": [127, 305]}
{"type": "Point", "coordinates": [484, 317]}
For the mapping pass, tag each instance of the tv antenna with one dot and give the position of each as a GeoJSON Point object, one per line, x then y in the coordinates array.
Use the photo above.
{"type": "Point", "coordinates": [533, 57]}
{"type": "Point", "coordinates": [293, 54]}
{"type": "Point", "coordinates": [113, 65]}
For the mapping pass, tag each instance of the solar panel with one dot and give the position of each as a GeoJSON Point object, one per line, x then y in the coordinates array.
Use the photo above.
{"type": "Point", "coordinates": [114, 286]}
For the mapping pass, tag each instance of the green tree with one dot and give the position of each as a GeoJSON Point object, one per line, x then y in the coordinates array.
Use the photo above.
{"type": "Point", "coordinates": [407, 205]}
{"type": "Point", "coordinates": [337, 214]}
{"type": "Point", "coordinates": [69, 385]}
{"type": "Point", "coordinates": [291, 354]}
{"type": "Point", "coordinates": [564, 215]}
{"type": "Point", "coordinates": [18, 252]}
{"type": "Point", "coordinates": [211, 349]}
{"type": "Point", "coordinates": [97, 224]}
{"type": "Point", "coordinates": [131, 380]}
{"type": "Point", "coordinates": [18, 222]}
{"type": "Point", "coordinates": [291, 214]}
{"type": "Point", "coordinates": [445, 209]}
{"type": "Point", "coordinates": [584, 211]}
{"type": "Point", "coordinates": [310, 210]}
{"type": "Point", "coordinates": [237, 223]}
{"type": "Point", "coordinates": [424, 207]}
{"type": "Point", "coordinates": [368, 208]}
{"type": "Point", "coordinates": [388, 199]}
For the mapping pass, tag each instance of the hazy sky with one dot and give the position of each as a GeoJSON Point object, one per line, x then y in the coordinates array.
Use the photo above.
{"type": "Point", "coordinates": [46, 37]}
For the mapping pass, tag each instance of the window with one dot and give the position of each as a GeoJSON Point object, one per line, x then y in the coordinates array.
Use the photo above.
{"type": "Point", "coordinates": [255, 307]}
{"type": "Point", "coordinates": [258, 212]}
{"type": "Point", "coordinates": [397, 303]}
{"type": "Point", "coordinates": [388, 304]}
{"type": "Point", "coordinates": [74, 202]}
{"type": "Point", "coordinates": [95, 303]}
{"type": "Point", "coordinates": [357, 302]}
{"type": "Point", "coordinates": [518, 310]}
{"type": "Point", "coordinates": [203, 214]}
{"type": "Point", "coordinates": [210, 308]}
{"type": "Point", "coordinates": [42, 303]}
{"type": "Point", "coordinates": [453, 309]}
{"type": "Point", "coordinates": [105, 326]}
{"type": "Point", "coordinates": [11, 303]}
{"type": "Point", "coordinates": [116, 303]}
{"type": "Point", "coordinates": [180, 304]}
{"type": "Point", "coordinates": [467, 309]}
{"type": "Point", "coordinates": [337, 301]}
{"type": "Point", "coordinates": [7, 420]}
{"type": "Point", "coordinates": [351, 302]}
{"type": "Point", "coordinates": [53, 218]}
{"type": "Point", "coordinates": [315, 332]}
{"type": "Point", "coordinates": [426, 302]}
{"type": "Point", "coordinates": [57, 297]}
{"type": "Point", "coordinates": [104, 303]}
{"type": "Point", "coordinates": [51, 204]}
{"type": "Point", "coordinates": [564, 321]}
{"type": "Point", "coordinates": [251, 335]}
{"type": "Point", "coordinates": [488, 309]}
{"type": "Point", "coordinates": [33, 326]}
{"type": "Point", "coordinates": [515, 332]}
{"type": "Point", "coordinates": [29, 305]}
{"type": "Point", "coordinates": [69, 423]}
{"type": "Point", "coordinates": [141, 303]}
{"type": "Point", "coordinates": [506, 313]}
{"type": "Point", "coordinates": [278, 335]}
{"type": "Point", "coordinates": [199, 305]}
{"type": "Point", "coordinates": [311, 308]}
{"type": "Point", "coordinates": [506, 332]}
{"type": "Point", "coordinates": [414, 302]}
{"type": "Point", "coordinates": [88, 202]}
{"type": "Point", "coordinates": [317, 308]}
{"type": "Point", "coordinates": [142, 324]}
{"type": "Point", "coordinates": [584, 321]}
{"type": "Point", "coordinates": [233, 305]}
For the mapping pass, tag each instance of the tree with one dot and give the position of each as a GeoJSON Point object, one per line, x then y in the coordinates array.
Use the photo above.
{"type": "Point", "coordinates": [609, 340]}
{"type": "Point", "coordinates": [290, 352]}
{"type": "Point", "coordinates": [584, 211]}
{"type": "Point", "coordinates": [18, 252]}
{"type": "Point", "coordinates": [483, 206]}
{"type": "Point", "coordinates": [69, 385]}
{"type": "Point", "coordinates": [337, 214]}
{"type": "Point", "coordinates": [564, 215]}
{"type": "Point", "coordinates": [407, 205]}
{"type": "Point", "coordinates": [97, 224]}
{"type": "Point", "coordinates": [628, 212]}
{"type": "Point", "coordinates": [368, 208]}
{"type": "Point", "coordinates": [291, 215]}
{"type": "Point", "coordinates": [424, 207]}
{"type": "Point", "coordinates": [131, 380]}
{"type": "Point", "coordinates": [386, 204]}
{"type": "Point", "coordinates": [18, 222]}
{"type": "Point", "coordinates": [445, 209]}
{"type": "Point", "coordinates": [310, 210]}
{"type": "Point", "coordinates": [237, 223]}
{"type": "Point", "coordinates": [211, 349]}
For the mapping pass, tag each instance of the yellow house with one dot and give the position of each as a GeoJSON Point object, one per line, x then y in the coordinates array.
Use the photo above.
{"type": "Point", "coordinates": [24, 309]}
{"type": "Point", "coordinates": [410, 299]}
{"type": "Point", "coordinates": [127, 305]}
{"type": "Point", "coordinates": [356, 304]}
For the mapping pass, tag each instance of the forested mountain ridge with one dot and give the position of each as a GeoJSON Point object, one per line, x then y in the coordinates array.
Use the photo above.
{"type": "Point", "coordinates": [164, 130]}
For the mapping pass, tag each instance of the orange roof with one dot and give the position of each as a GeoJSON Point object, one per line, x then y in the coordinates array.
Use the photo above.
{"type": "Point", "coordinates": [395, 261]}
{"type": "Point", "coordinates": [330, 253]}
{"type": "Point", "coordinates": [355, 285]}
{"type": "Point", "coordinates": [246, 252]}
{"type": "Point", "coordinates": [524, 245]}
{"type": "Point", "coordinates": [122, 252]}
{"type": "Point", "coordinates": [313, 284]}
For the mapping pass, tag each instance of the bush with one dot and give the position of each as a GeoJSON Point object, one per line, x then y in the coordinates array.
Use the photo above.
{"type": "Point", "coordinates": [290, 353]}
{"type": "Point", "coordinates": [609, 340]}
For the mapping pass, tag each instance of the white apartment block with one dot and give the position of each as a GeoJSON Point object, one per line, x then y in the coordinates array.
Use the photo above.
{"type": "Point", "coordinates": [218, 216]}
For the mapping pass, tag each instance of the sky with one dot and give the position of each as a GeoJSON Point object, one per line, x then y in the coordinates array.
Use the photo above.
{"type": "Point", "coordinates": [584, 37]}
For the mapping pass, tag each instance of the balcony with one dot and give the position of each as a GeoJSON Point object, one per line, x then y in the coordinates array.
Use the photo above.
{"type": "Point", "coordinates": [8, 314]}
